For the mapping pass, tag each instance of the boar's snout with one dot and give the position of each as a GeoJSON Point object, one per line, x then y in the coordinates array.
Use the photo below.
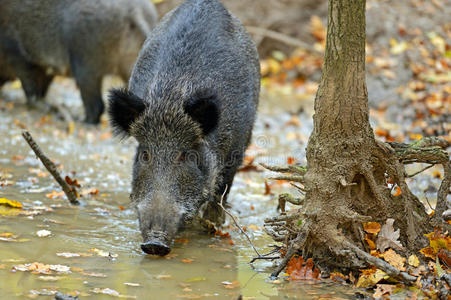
{"type": "Point", "coordinates": [156, 244]}
{"type": "Point", "coordinates": [155, 248]}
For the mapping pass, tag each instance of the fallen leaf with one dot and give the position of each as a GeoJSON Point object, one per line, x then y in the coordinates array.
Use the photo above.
{"type": "Point", "coordinates": [7, 235]}
{"type": "Point", "coordinates": [196, 279]}
{"type": "Point", "coordinates": [267, 189]}
{"type": "Point", "coordinates": [230, 285]}
{"type": "Point", "coordinates": [370, 242]}
{"type": "Point", "coordinates": [413, 261]}
{"type": "Point", "coordinates": [397, 191]}
{"type": "Point", "coordinates": [372, 227]}
{"type": "Point", "coordinates": [55, 194]}
{"type": "Point", "coordinates": [163, 276]}
{"type": "Point", "coordinates": [369, 280]}
{"type": "Point", "coordinates": [91, 191]}
{"type": "Point", "coordinates": [394, 259]}
{"type": "Point", "coordinates": [43, 233]}
{"type": "Point", "coordinates": [93, 274]}
{"type": "Point", "coordinates": [71, 182]}
{"type": "Point", "coordinates": [445, 256]}
{"type": "Point", "coordinates": [297, 269]}
{"type": "Point", "coordinates": [338, 277]}
{"type": "Point", "coordinates": [103, 253]}
{"type": "Point", "coordinates": [291, 160]}
{"type": "Point", "coordinates": [182, 241]}
{"type": "Point", "coordinates": [388, 237]}
{"type": "Point", "coordinates": [68, 254]}
{"type": "Point", "coordinates": [49, 278]}
{"type": "Point", "coordinates": [10, 203]}
{"type": "Point", "coordinates": [132, 284]}
{"type": "Point", "coordinates": [41, 268]}
{"type": "Point", "coordinates": [186, 261]}
{"type": "Point", "coordinates": [383, 290]}
{"type": "Point", "coordinates": [111, 292]}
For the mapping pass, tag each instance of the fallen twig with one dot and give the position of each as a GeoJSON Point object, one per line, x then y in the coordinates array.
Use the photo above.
{"type": "Point", "coordinates": [236, 223]}
{"type": "Point", "coordinates": [281, 38]}
{"type": "Point", "coordinates": [296, 244]}
{"type": "Point", "coordinates": [381, 264]}
{"type": "Point", "coordinates": [50, 166]}
{"type": "Point", "coordinates": [416, 173]}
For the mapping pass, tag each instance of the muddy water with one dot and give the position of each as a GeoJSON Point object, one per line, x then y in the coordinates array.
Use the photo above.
{"type": "Point", "coordinates": [199, 266]}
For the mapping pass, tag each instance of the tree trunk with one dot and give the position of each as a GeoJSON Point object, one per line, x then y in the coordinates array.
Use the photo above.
{"type": "Point", "coordinates": [347, 169]}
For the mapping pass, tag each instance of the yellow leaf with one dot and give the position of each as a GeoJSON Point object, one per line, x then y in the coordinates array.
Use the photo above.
{"type": "Point", "coordinates": [397, 48]}
{"type": "Point", "coordinates": [4, 211]}
{"type": "Point", "coordinates": [369, 280]}
{"type": "Point", "coordinates": [10, 203]}
{"type": "Point", "coordinates": [6, 234]}
{"type": "Point", "coordinates": [413, 261]}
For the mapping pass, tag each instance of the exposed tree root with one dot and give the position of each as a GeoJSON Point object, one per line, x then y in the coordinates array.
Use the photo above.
{"type": "Point", "coordinates": [338, 239]}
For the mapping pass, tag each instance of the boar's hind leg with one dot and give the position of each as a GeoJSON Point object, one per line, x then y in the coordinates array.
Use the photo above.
{"type": "Point", "coordinates": [89, 83]}
{"type": "Point", "coordinates": [35, 82]}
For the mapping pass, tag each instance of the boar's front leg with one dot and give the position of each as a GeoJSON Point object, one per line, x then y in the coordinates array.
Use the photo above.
{"type": "Point", "coordinates": [89, 83]}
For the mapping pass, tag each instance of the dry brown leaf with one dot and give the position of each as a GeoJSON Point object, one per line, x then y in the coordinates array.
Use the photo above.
{"type": "Point", "coordinates": [388, 237]}
{"type": "Point", "coordinates": [383, 290]}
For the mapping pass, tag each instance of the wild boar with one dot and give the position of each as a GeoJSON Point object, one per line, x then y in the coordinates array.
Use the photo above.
{"type": "Point", "coordinates": [191, 104]}
{"type": "Point", "coordinates": [83, 38]}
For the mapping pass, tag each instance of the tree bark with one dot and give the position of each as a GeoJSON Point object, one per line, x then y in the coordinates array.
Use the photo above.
{"type": "Point", "coordinates": [347, 169]}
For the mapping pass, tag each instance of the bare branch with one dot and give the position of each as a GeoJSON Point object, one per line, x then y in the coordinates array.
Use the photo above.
{"type": "Point", "coordinates": [281, 38]}
{"type": "Point", "coordinates": [50, 166]}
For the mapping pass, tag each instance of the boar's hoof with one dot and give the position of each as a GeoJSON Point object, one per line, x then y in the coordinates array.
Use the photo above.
{"type": "Point", "coordinates": [155, 248]}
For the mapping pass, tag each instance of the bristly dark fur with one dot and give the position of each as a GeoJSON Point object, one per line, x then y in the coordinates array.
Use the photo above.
{"type": "Point", "coordinates": [41, 39]}
{"type": "Point", "coordinates": [205, 111]}
{"type": "Point", "coordinates": [199, 76]}
{"type": "Point", "coordinates": [124, 108]}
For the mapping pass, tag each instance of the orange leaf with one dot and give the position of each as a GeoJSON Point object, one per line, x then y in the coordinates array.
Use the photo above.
{"type": "Point", "coordinates": [338, 277]}
{"type": "Point", "coordinates": [267, 189]}
{"type": "Point", "coordinates": [186, 261]}
{"type": "Point", "coordinates": [55, 194]}
{"type": "Point", "coordinates": [182, 241]}
{"type": "Point", "coordinates": [300, 270]}
{"type": "Point", "coordinates": [72, 182]}
{"type": "Point", "coordinates": [445, 256]}
{"type": "Point", "coordinates": [397, 191]}
{"type": "Point", "coordinates": [372, 227]}
{"type": "Point", "coordinates": [291, 160]}
{"type": "Point", "coordinates": [370, 242]}
{"type": "Point", "coordinates": [428, 252]}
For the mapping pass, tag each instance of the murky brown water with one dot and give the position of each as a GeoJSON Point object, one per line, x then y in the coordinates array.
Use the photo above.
{"type": "Point", "coordinates": [200, 266]}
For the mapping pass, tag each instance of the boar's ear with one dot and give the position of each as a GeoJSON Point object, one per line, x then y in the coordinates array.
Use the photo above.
{"type": "Point", "coordinates": [124, 109]}
{"type": "Point", "coordinates": [205, 111]}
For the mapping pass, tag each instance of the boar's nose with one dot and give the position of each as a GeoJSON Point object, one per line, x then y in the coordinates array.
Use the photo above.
{"type": "Point", "coordinates": [155, 248]}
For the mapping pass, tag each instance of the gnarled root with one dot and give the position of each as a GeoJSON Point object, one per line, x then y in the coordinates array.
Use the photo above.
{"type": "Point", "coordinates": [358, 193]}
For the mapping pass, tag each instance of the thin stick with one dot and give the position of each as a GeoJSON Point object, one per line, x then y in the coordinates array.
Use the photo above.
{"type": "Point", "coordinates": [416, 173]}
{"type": "Point", "coordinates": [381, 264]}
{"type": "Point", "coordinates": [50, 166]}
{"type": "Point", "coordinates": [281, 38]}
{"type": "Point", "coordinates": [236, 223]}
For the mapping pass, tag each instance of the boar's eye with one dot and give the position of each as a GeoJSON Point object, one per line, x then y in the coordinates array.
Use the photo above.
{"type": "Point", "coordinates": [145, 156]}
